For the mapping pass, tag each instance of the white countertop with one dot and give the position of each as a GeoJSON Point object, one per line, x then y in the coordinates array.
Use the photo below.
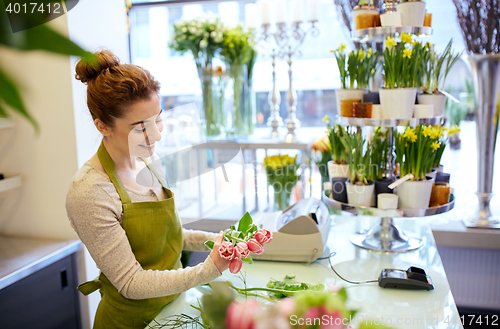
{"type": "Point", "coordinates": [412, 309]}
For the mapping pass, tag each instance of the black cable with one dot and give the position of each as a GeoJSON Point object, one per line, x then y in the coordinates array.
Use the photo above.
{"type": "Point", "coordinates": [333, 253]}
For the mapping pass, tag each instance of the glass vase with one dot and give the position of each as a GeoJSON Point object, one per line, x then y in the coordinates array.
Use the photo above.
{"type": "Point", "coordinates": [281, 199]}
{"type": "Point", "coordinates": [211, 119]}
{"type": "Point", "coordinates": [249, 111]}
{"type": "Point", "coordinates": [236, 117]}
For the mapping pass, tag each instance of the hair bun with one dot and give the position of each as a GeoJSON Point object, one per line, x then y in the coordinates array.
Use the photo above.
{"type": "Point", "coordinates": [87, 70]}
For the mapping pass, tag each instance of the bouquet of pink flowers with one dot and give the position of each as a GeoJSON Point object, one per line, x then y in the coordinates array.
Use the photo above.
{"type": "Point", "coordinates": [238, 243]}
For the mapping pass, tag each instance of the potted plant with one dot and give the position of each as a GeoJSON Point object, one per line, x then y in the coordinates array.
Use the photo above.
{"type": "Point", "coordinates": [435, 69]}
{"type": "Point", "coordinates": [378, 157]}
{"type": "Point", "coordinates": [402, 66]}
{"type": "Point", "coordinates": [282, 175]}
{"type": "Point", "coordinates": [360, 190]}
{"type": "Point", "coordinates": [337, 166]}
{"type": "Point", "coordinates": [350, 72]}
{"type": "Point", "coordinates": [412, 12]}
{"type": "Point", "coordinates": [444, 137]}
{"type": "Point", "coordinates": [415, 153]}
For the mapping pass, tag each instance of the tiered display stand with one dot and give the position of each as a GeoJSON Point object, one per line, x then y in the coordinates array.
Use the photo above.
{"type": "Point", "coordinates": [385, 235]}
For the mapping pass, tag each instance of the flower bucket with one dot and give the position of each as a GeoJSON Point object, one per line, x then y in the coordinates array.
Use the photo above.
{"type": "Point", "coordinates": [397, 103]}
{"type": "Point", "coordinates": [339, 192]}
{"type": "Point", "coordinates": [338, 170]}
{"type": "Point", "coordinates": [438, 100]}
{"type": "Point", "coordinates": [412, 13]}
{"type": "Point", "coordinates": [415, 194]}
{"type": "Point", "coordinates": [342, 94]}
{"type": "Point", "coordinates": [361, 195]}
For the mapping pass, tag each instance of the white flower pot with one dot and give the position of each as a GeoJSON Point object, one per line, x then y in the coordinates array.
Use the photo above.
{"type": "Point", "coordinates": [397, 103]}
{"type": "Point", "coordinates": [338, 170]}
{"type": "Point", "coordinates": [412, 13]}
{"type": "Point", "coordinates": [342, 94]}
{"type": "Point", "coordinates": [390, 19]}
{"type": "Point", "coordinates": [423, 111]}
{"type": "Point", "coordinates": [415, 194]}
{"type": "Point", "coordinates": [360, 195]}
{"type": "Point", "coordinates": [438, 100]}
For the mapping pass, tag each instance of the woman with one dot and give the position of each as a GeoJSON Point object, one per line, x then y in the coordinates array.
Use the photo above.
{"type": "Point", "coordinates": [132, 232]}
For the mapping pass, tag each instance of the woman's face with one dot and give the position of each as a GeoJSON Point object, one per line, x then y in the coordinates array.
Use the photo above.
{"type": "Point", "coordinates": [139, 129]}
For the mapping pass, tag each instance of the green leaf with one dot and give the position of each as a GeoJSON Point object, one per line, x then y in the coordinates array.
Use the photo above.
{"type": "Point", "coordinates": [248, 259]}
{"type": "Point", "coordinates": [245, 222]}
{"type": "Point", "coordinates": [209, 244]}
{"type": "Point", "coordinates": [9, 94]}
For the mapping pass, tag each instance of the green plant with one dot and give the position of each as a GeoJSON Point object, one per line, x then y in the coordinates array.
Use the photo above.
{"type": "Point", "coordinates": [357, 67]}
{"type": "Point", "coordinates": [455, 112]}
{"type": "Point", "coordinates": [378, 147]}
{"type": "Point", "coordinates": [39, 37]}
{"type": "Point", "coordinates": [402, 62]}
{"type": "Point", "coordinates": [435, 67]}
{"type": "Point", "coordinates": [335, 135]}
{"type": "Point", "coordinates": [358, 158]}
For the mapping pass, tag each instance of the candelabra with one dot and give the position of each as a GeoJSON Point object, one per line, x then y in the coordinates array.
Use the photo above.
{"type": "Point", "coordinates": [287, 41]}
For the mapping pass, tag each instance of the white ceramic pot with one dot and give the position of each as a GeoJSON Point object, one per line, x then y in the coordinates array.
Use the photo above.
{"type": "Point", "coordinates": [338, 170]}
{"type": "Point", "coordinates": [438, 100]}
{"type": "Point", "coordinates": [387, 201]}
{"type": "Point", "coordinates": [342, 94]}
{"type": "Point", "coordinates": [362, 11]}
{"type": "Point", "coordinates": [360, 195]}
{"type": "Point", "coordinates": [397, 103]}
{"type": "Point", "coordinates": [423, 111]}
{"type": "Point", "coordinates": [438, 169]}
{"type": "Point", "coordinates": [415, 194]}
{"type": "Point", "coordinates": [412, 13]}
{"type": "Point", "coordinates": [390, 19]}
{"type": "Point", "coordinates": [376, 111]}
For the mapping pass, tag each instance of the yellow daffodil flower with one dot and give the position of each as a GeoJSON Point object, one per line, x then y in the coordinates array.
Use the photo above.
{"type": "Point", "coordinates": [361, 54]}
{"type": "Point", "coordinates": [389, 43]}
{"type": "Point", "coordinates": [326, 119]}
{"type": "Point", "coordinates": [435, 133]}
{"type": "Point", "coordinates": [407, 53]}
{"type": "Point", "coordinates": [406, 38]}
{"type": "Point", "coordinates": [453, 130]}
{"type": "Point", "coordinates": [341, 48]}
{"type": "Point", "coordinates": [410, 134]}
{"type": "Point", "coordinates": [369, 52]}
{"type": "Point", "coordinates": [426, 131]}
{"type": "Point", "coordinates": [435, 146]}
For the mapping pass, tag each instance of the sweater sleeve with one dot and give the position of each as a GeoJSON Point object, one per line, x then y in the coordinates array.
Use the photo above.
{"type": "Point", "coordinates": [194, 240]}
{"type": "Point", "coordinates": [95, 217]}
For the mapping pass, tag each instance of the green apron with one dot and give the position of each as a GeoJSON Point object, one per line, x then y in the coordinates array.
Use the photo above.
{"type": "Point", "coordinates": [155, 235]}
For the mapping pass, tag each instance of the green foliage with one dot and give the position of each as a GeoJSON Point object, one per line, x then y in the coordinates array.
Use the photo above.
{"type": "Point", "coordinates": [359, 66]}
{"type": "Point", "coordinates": [435, 67]}
{"type": "Point", "coordinates": [214, 305]}
{"type": "Point", "coordinates": [289, 284]}
{"type": "Point", "coordinates": [378, 155]}
{"type": "Point", "coordinates": [40, 37]}
{"type": "Point", "coordinates": [402, 62]}
{"type": "Point", "coordinates": [335, 135]}
{"type": "Point", "coordinates": [358, 157]}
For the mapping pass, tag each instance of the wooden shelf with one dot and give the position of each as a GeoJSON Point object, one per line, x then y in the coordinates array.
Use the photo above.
{"type": "Point", "coordinates": [11, 181]}
{"type": "Point", "coordinates": [6, 123]}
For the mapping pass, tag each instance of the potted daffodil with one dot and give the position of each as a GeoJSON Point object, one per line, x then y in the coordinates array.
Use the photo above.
{"type": "Point", "coordinates": [435, 70]}
{"type": "Point", "coordinates": [337, 166]}
{"type": "Point", "coordinates": [402, 67]}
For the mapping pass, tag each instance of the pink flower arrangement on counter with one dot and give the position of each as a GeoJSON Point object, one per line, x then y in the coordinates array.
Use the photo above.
{"type": "Point", "coordinates": [239, 243]}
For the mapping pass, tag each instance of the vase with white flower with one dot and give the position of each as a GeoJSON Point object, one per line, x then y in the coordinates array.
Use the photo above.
{"type": "Point", "coordinates": [415, 152]}
{"type": "Point", "coordinates": [402, 69]}
{"type": "Point", "coordinates": [436, 67]}
{"type": "Point", "coordinates": [356, 69]}
{"type": "Point", "coordinates": [203, 37]}
{"type": "Point", "coordinates": [337, 166]}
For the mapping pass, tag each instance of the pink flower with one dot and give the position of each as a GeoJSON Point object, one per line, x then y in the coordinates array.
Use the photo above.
{"type": "Point", "coordinates": [312, 313]}
{"type": "Point", "coordinates": [255, 246]}
{"type": "Point", "coordinates": [335, 320]}
{"type": "Point", "coordinates": [241, 315]}
{"type": "Point", "coordinates": [242, 250]}
{"type": "Point", "coordinates": [264, 236]}
{"type": "Point", "coordinates": [235, 265]}
{"type": "Point", "coordinates": [226, 250]}
{"type": "Point", "coordinates": [286, 306]}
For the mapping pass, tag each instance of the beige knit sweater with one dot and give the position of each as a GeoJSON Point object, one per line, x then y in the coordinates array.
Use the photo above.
{"type": "Point", "coordinates": [95, 211]}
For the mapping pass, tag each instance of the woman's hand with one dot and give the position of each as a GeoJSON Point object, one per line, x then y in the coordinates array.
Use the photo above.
{"type": "Point", "coordinates": [221, 263]}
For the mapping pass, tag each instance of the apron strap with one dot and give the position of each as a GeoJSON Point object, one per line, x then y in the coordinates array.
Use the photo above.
{"type": "Point", "coordinates": [109, 166]}
{"type": "Point", "coordinates": [90, 286]}
{"type": "Point", "coordinates": [155, 172]}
